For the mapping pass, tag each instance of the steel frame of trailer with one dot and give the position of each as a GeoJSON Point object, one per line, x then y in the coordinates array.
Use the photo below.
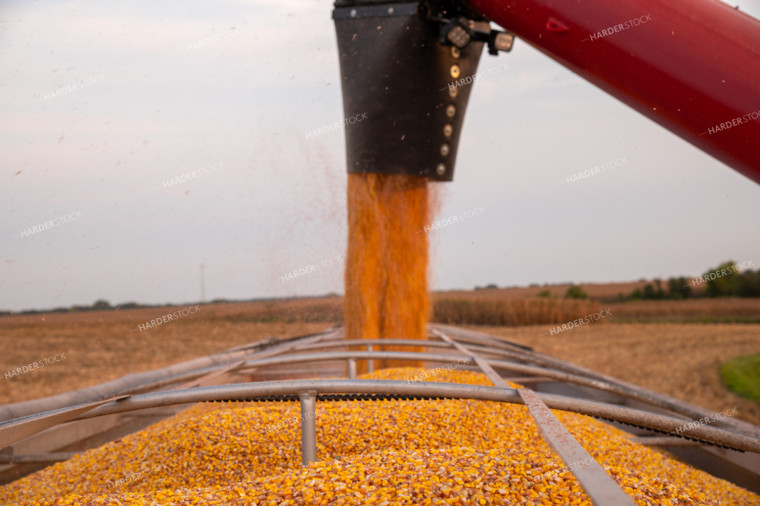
{"type": "Point", "coordinates": [476, 351]}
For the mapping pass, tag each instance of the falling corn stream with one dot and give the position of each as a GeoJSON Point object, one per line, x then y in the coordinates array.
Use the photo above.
{"type": "Point", "coordinates": [387, 259]}
{"type": "Point", "coordinates": [389, 452]}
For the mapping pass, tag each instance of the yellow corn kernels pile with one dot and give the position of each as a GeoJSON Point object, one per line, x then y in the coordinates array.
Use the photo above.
{"type": "Point", "coordinates": [384, 453]}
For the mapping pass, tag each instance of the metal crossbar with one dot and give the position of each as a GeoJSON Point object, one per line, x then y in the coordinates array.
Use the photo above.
{"type": "Point", "coordinates": [269, 389]}
{"type": "Point", "coordinates": [595, 481]}
{"type": "Point", "coordinates": [471, 349]}
{"type": "Point", "coordinates": [19, 429]}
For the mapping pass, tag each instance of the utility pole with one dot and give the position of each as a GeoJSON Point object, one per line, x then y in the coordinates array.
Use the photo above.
{"type": "Point", "coordinates": [203, 284]}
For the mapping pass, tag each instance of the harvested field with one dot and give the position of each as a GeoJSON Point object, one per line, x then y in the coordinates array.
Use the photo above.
{"type": "Point", "coordinates": [509, 307]}
{"type": "Point", "coordinates": [721, 310]}
{"type": "Point", "coordinates": [679, 360]}
{"type": "Point", "coordinates": [598, 291]}
{"type": "Point", "coordinates": [106, 345]}
{"type": "Point", "coordinates": [511, 312]}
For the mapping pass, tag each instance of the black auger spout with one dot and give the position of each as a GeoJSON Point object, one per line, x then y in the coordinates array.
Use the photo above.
{"type": "Point", "coordinates": [400, 66]}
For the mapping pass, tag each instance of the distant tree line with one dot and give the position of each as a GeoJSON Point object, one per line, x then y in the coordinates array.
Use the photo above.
{"type": "Point", "coordinates": [726, 280]}
{"type": "Point", "coordinates": [104, 305]}
{"type": "Point", "coordinates": [98, 305]}
{"type": "Point", "coordinates": [573, 292]}
{"type": "Point", "coordinates": [729, 279]}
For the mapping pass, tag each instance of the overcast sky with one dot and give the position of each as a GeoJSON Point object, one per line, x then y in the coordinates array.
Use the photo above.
{"type": "Point", "coordinates": [154, 90]}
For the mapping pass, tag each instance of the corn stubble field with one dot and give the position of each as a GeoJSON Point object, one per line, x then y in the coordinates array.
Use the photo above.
{"type": "Point", "coordinates": [678, 359]}
{"type": "Point", "coordinates": [363, 456]}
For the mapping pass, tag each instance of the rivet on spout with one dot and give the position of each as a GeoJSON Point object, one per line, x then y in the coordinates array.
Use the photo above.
{"type": "Point", "coordinates": [440, 169]}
